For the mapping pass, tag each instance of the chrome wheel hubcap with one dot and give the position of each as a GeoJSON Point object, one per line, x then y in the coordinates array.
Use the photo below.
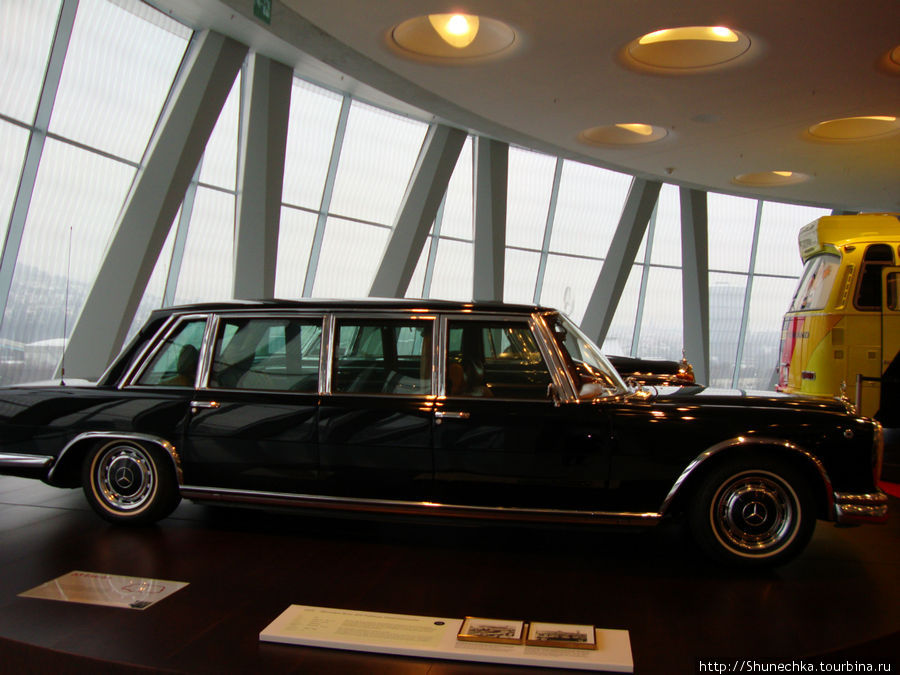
{"type": "Point", "coordinates": [755, 513]}
{"type": "Point", "coordinates": [124, 477]}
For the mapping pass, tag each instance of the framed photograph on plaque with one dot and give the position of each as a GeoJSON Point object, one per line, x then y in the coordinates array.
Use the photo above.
{"type": "Point", "coordinates": [504, 631]}
{"type": "Point", "coordinates": [571, 636]}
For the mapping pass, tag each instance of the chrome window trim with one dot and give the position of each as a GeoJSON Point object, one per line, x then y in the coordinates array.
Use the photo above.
{"type": "Point", "coordinates": [141, 363]}
{"type": "Point", "coordinates": [370, 315]}
{"type": "Point", "coordinates": [202, 493]}
{"type": "Point", "coordinates": [209, 346]}
{"type": "Point", "coordinates": [139, 359]}
{"type": "Point", "coordinates": [529, 320]}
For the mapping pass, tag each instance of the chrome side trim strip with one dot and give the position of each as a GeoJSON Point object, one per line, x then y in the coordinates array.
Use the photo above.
{"type": "Point", "coordinates": [123, 435]}
{"type": "Point", "coordinates": [747, 442]}
{"type": "Point", "coordinates": [387, 506]}
{"type": "Point", "coordinates": [13, 461]}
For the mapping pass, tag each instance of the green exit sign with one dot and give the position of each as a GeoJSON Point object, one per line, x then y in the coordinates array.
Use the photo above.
{"type": "Point", "coordinates": [262, 10]}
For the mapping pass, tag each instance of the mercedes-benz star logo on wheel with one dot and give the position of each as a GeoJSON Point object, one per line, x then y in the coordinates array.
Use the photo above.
{"type": "Point", "coordinates": [754, 513]}
{"type": "Point", "coordinates": [124, 477]}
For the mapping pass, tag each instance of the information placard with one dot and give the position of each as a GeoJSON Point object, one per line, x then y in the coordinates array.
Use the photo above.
{"type": "Point", "coordinates": [434, 637]}
{"type": "Point", "coordinates": [109, 590]}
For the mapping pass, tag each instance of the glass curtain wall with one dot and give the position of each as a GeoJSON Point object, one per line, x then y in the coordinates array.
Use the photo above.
{"type": "Point", "coordinates": [347, 167]}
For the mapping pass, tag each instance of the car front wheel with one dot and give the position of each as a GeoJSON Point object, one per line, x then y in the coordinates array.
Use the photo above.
{"type": "Point", "coordinates": [753, 513]}
{"type": "Point", "coordinates": [127, 482]}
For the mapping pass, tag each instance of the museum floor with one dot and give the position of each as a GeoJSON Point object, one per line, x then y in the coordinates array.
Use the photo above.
{"type": "Point", "coordinates": [840, 600]}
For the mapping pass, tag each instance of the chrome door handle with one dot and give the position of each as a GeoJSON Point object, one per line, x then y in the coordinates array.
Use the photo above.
{"type": "Point", "coordinates": [196, 405]}
{"type": "Point", "coordinates": [445, 414]}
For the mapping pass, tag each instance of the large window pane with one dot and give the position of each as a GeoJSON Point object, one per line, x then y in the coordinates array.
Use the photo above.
{"type": "Point", "coordinates": [118, 71]}
{"type": "Point", "coordinates": [588, 210]}
{"type": "Point", "coordinates": [568, 284]}
{"type": "Point", "coordinates": [520, 275]}
{"type": "Point", "coordinates": [453, 270]}
{"type": "Point", "coordinates": [661, 325]}
{"type": "Point", "coordinates": [219, 166]}
{"type": "Point", "coordinates": [350, 256]}
{"type": "Point", "coordinates": [726, 304]}
{"type": "Point", "coordinates": [207, 269]}
{"type": "Point", "coordinates": [667, 231]}
{"type": "Point", "coordinates": [77, 196]}
{"type": "Point", "coordinates": [458, 207]}
{"type": "Point", "coordinates": [295, 235]}
{"type": "Point", "coordinates": [13, 142]}
{"type": "Point", "coordinates": [26, 34]}
{"type": "Point", "coordinates": [379, 152]}
{"type": "Point", "coordinates": [731, 223]}
{"type": "Point", "coordinates": [311, 128]}
{"type": "Point", "coordinates": [768, 301]}
{"type": "Point", "coordinates": [778, 229]}
{"type": "Point", "coordinates": [528, 192]}
{"type": "Point", "coordinates": [620, 336]}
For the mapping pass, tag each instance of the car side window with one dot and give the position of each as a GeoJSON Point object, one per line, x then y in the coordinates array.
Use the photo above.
{"type": "Point", "coordinates": [278, 354]}
{"type": "Point", "coordinates": [496, 359]}
{"type": "Point", "coordinates": [390, 356]}
{"type": "Point", "coordinates": [868, 289]}
{"type": "Point", "coordinates": [175, 363]}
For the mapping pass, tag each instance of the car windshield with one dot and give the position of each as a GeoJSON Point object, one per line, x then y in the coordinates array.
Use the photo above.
{"type": "Point", "coordinates": [593, 374]}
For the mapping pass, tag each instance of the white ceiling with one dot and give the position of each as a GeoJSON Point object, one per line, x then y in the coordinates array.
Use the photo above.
{"type": "Point", "coordinates": [809, 61]}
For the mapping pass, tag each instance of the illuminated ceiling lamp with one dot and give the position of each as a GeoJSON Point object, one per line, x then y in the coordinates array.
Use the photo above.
{"type": "Point", "coordinates": [687, 49]}
{"type": "Point", "coordinates": [850, 129]}
{"type": "Point", "coordinates": [890, 61]}
{"type": "Point", "coordinates": [623, 134]}
{"type": "Point", "coordinates": [771, 178]}
{"type": "Point", "coordinates": [457, 30]}
{"type": "Point", "coordinates": [452, 37]}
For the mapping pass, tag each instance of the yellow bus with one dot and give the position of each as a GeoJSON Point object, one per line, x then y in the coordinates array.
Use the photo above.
{"type": "Point", "coordinates": [844, 319]}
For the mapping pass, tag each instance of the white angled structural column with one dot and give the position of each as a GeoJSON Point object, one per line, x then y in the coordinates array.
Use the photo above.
{"type": "Point", "coordinates": [695, 280]}
{"type": "Point", "coordinates": [175, 148]}
{"type": "Point", "coordinates": [264, 125]}
{"type": "Point", "coordinates": [490, 179]}
{"type": "Point", "coordinates": [426, 189]}
{"type": "Point", "coordinates": [608, 290]}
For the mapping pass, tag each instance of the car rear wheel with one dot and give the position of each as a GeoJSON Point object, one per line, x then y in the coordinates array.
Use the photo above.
{"type": "Point", "coordinates": [128, 482]}
{"type": "Point", "coordinates": [753, 513]}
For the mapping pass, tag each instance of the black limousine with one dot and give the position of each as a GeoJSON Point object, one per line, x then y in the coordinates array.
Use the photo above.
{"type": "Point", "coordinates": [462, 410]}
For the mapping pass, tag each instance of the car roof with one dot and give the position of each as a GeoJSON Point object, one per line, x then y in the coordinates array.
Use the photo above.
{"type": "Point", "coordinates": [327, 305]}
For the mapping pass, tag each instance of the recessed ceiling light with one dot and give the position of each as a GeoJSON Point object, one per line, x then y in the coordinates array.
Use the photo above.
{"type": "Point", "coordinates": [890, 61]}
{"type": "Point", "coordinates": [449, 37]}
{"type": "Point", "coordinates": [687, 49]}
{"type": "Point", "coordinates": [626, 133]}
{"type": "Point", "coordinates": [771, 178]}
{"type": "Point", "coordinates": [855, 128]}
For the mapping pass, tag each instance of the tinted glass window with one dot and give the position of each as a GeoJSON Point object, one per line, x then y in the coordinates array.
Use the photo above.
{"type": "Point", "coordinates": [383, 357]}
{"type": "Point", "coordinates": [868, 289]}
{"type": "Point", "coordinates": [497, 359]}
{"type": "Point", "coordinates": [280, 354]}
{"type": "Point", "coordinates": [175, 363]}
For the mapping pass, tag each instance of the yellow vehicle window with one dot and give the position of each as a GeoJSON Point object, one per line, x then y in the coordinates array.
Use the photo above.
{"type": "Point", "coordinates": [816, 283]}
{"type": "Point", "coordinates": [868, 289]}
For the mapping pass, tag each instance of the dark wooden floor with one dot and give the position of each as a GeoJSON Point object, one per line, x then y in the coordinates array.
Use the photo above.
{"type": "Point", "coordinates": [841, 599]}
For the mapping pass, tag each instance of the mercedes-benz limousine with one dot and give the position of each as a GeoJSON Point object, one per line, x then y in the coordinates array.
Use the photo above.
{"type": "Point", "coordinates": [477, 411]}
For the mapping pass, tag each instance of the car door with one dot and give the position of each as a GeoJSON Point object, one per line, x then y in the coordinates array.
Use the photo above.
{"type": "Point", "coordinates": [375, 419]}
{"type": "Point", "coordinates": [501, 438]}
{"type": "Point", "coordinates": [253, 420]}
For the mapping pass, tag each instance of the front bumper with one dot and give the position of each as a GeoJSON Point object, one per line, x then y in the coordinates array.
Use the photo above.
{"type": "Point", "coordinates": [851, 508]}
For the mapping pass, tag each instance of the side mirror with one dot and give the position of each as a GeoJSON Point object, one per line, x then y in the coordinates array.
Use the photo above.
{"type": "Point", "coordinates": [552, 393]}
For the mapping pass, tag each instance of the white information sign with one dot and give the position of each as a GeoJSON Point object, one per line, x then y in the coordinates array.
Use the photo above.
{"type": "Point", "coordinates": [434, 637]}
{"type": "Point", "coordinates": [105, 589]}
